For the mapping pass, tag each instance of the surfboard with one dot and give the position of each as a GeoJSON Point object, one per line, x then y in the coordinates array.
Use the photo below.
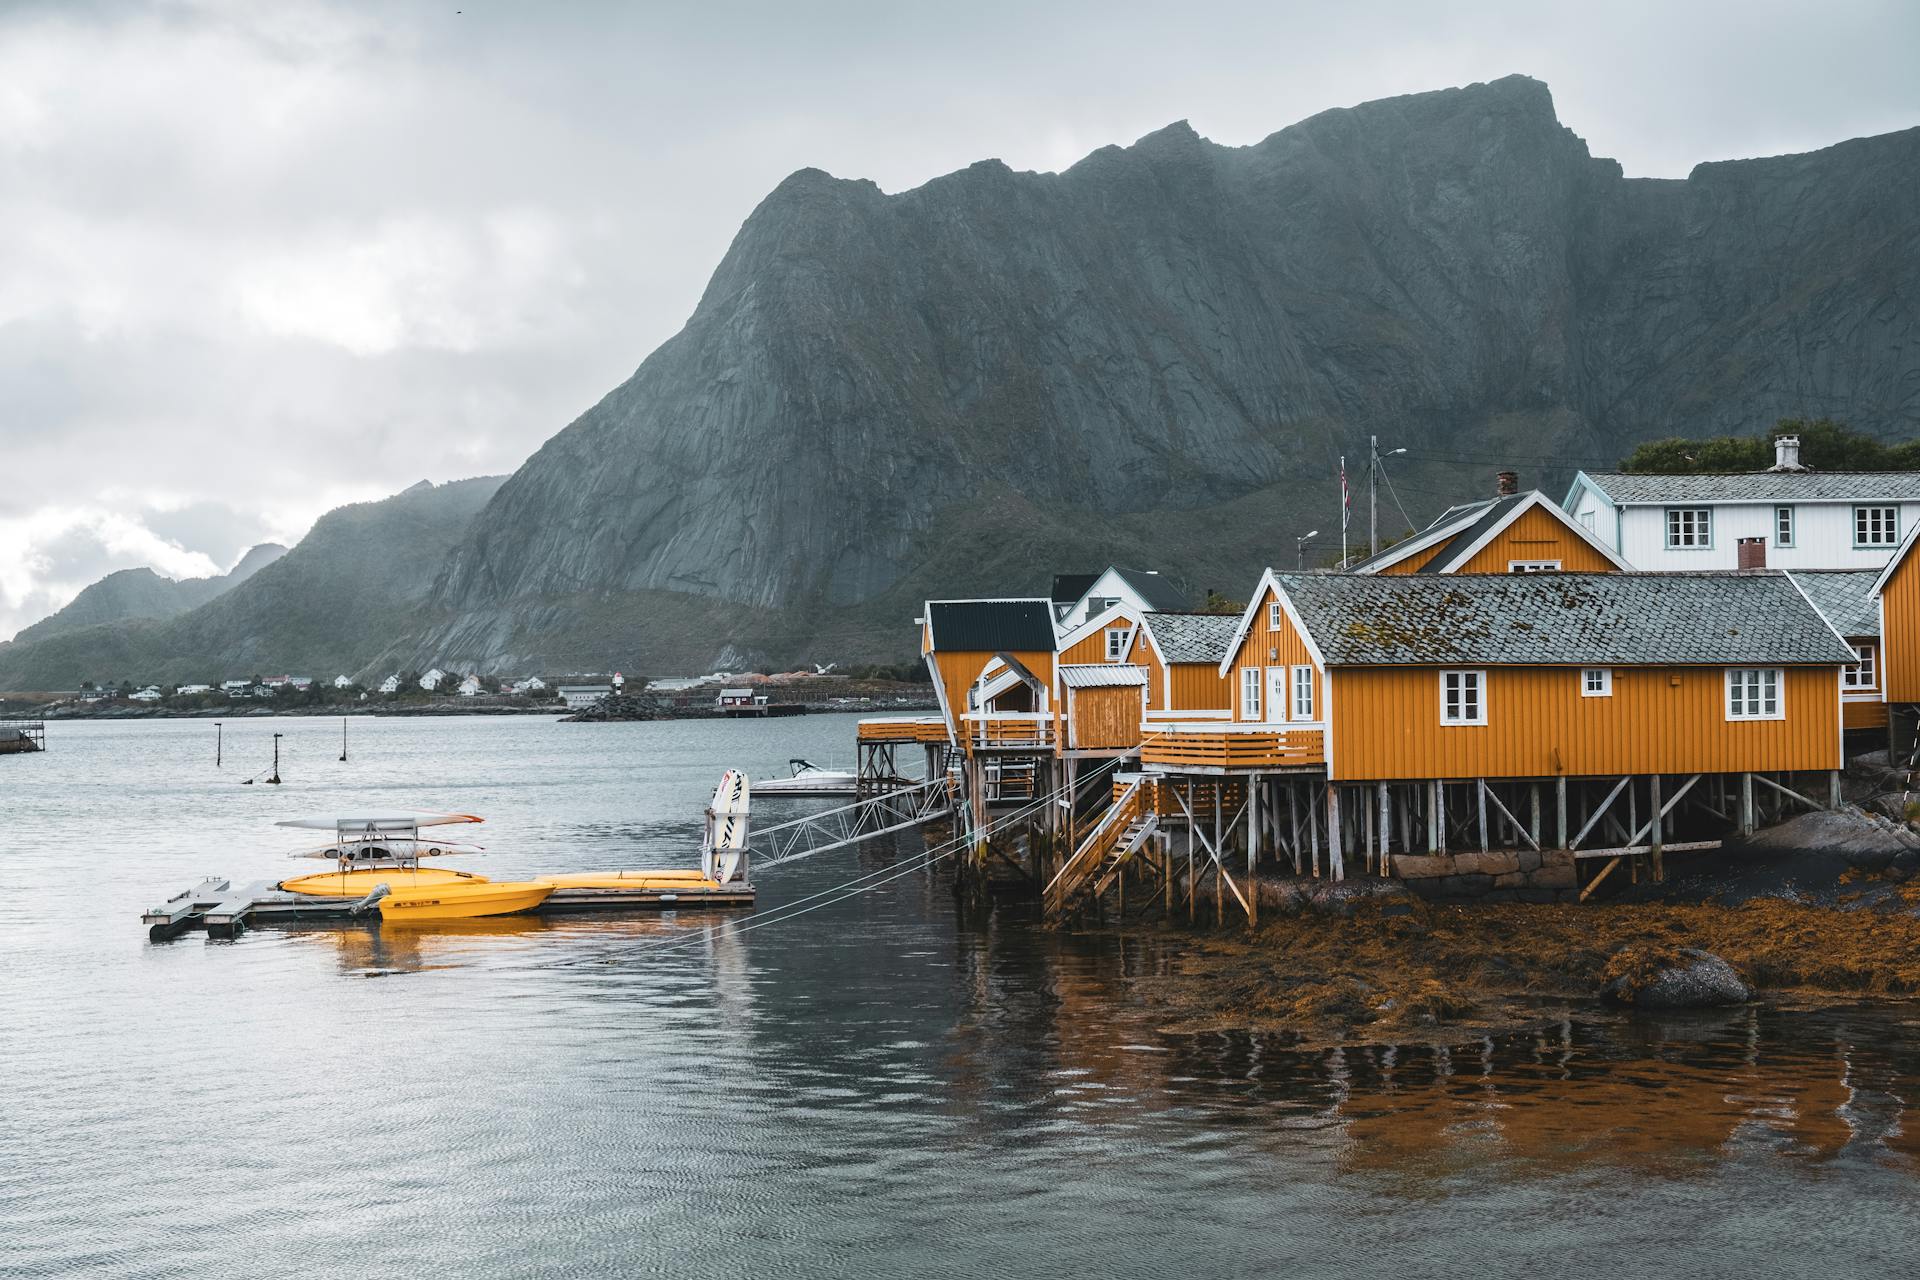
{"type": "Point", "coordinates": [408, 848]}
{"type": "Point", "coordinates": [380, 821]}
{"type": "Point", "coordinates": [726, 842]}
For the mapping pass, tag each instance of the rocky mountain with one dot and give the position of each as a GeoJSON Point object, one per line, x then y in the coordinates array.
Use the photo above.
{"type": "Point", "coordinates": [360, 577]}
{"type": "Point", "coordinates": [1155, 357]}
{"type": "Point", "coordinates": [131, 594]}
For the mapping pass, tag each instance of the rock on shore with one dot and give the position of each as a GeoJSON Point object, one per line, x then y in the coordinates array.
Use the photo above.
{"type": "Point", "coordinates": [1650, 977]}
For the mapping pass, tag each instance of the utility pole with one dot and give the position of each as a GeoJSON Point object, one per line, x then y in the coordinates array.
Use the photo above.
{"type": "Point", "coordinates": [1373, 495]}
{"type": "Point", "coordinates": [1346, 509]}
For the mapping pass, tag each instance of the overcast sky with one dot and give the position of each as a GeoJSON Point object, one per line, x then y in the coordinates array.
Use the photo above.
{"type": "Point", "coordinates": [257, 260]}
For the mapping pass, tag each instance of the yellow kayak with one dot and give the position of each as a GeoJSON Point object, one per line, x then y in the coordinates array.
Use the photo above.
{"type": "Point", "coordinates": [407, 903]}
{"type": "Point", "coordinates": [360, 881]}
{"type": "Point", "coordinates": [630, 880]}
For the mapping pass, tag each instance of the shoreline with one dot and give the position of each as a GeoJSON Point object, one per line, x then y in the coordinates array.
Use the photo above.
{"type": "Point", "coordinates": [1395, 970]}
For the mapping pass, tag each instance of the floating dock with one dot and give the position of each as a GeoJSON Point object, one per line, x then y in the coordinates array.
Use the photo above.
{"type": "Point", "coordinates": [224, 909]}
{"type": "Point", "coordinates": [19, 736]}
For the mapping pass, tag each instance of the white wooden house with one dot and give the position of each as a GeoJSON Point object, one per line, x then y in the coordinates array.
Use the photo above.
{"type": "Point", "coordinates": [1784, 518]}
{"type": "Point", "coordinates": [1134, 591]}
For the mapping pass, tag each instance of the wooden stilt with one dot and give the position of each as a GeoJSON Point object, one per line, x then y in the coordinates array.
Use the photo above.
{"type": "Point", "coordinates": [1336, 865]}
{"type": "Point", "coordinates": [1746, 804]}
{"type": "Point", "coordinates": [1482, 793]}
{"type": "Point", "coordinates": [1659, 834]}
{"type": "Point", "coordinates": [1560, 813]}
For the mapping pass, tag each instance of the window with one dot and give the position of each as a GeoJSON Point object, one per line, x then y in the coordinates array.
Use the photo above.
{"type": "Point", "coordinates": [1116, 643]}
{"type": "Point", "coordinates": [1753, 693]}
{"type": "Point", "coordinates": [1860, 675]}
{"type": "Point", "coordinates": [1097, 605]}
{"type": "Point", "coordinates": [1876, 526]}
{"type": "Point", "coordinates": [1276, 692]}
{"type": "Point", "coordinates": [1596, 682]}
{"type": "Point", "coordinates": [1586, 518]}
{"type": "Point", "coordinates": [1463, 697]}
{"type": "Point", "coordinates": [1783, 526]}
{"type": "Point", "coordinates": [1533, 566]}
{"type": "Point", "coordinates": [1689, 527]}
{"type": "Point", "coordinates": [1249, 693]}
{"type": "Point", "coordinates": [1273, 615]}
{"type": "Point", "coordinates": [1303, 708]}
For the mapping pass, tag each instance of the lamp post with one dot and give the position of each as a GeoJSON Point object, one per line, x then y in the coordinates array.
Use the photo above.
{"type": "Point", "coordinates": [1373, 492]}
{"type": "Point", "coordinates": [1300, 548]}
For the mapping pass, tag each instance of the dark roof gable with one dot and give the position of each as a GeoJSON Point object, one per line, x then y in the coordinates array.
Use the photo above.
{"type": "Point", "coordinates": [991, 626]}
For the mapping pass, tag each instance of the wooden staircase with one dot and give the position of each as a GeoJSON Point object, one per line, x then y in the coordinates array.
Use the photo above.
{"type": "Point", "coordinates": [1127, 825]}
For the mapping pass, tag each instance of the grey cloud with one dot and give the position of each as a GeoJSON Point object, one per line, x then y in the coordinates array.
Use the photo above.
{"type": "Point", "coordinates": [265, 259]}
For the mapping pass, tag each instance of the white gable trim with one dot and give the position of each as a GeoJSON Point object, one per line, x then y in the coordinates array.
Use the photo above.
{"type": "Point", "coordinates": [1087, 629]}
{"type": "Point", "coordinates": [1419, 542]}
{"type": "Point", "coordinates": [1893, 562]}
{"type": "Point", "coordinates": [1534, 499]}
{"type": "Point", "coordinates": [1269, 583]}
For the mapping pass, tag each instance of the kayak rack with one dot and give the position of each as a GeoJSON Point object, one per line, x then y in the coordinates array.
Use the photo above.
{"type": "Point", "coordinates": [225, 910]}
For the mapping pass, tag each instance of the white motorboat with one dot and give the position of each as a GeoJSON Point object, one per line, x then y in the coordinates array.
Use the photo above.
{"type": "Point", "coordinates": [808, 779]}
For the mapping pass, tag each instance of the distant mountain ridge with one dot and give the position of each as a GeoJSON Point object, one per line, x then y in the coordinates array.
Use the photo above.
{"type": "Point", "coordinates": [1155, 357]}
{"type": "Point", "coordinates": [131, 594]}
{"type": "Point", "coordinates": [326, 607]}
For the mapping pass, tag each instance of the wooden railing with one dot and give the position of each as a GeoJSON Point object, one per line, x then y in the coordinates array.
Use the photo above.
{"type": "Point", "coordinates": [1211, 748]}
{"type": "Point", "coordinates": [1008, 728]}
{"type": "Point", "coordinates": [903, 729]}
{"type": "Point", "coordinates": [1093, 850]}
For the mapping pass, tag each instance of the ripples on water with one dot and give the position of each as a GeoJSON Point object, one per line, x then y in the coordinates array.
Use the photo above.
{"type": "Point", "coordinates": [881, 1088]}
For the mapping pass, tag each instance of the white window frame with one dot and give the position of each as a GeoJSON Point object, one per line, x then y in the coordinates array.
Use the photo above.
{"type": "Point", "coordinates": [1117, 643]}
{"type": "Point", "coordinates": [1533, 566]}
{"type": "Point", "coordinates": [1273, 615]}
{"type": "Point", "coordinates": [1876, 524]}
{"type": "Point", "coordinates": [1251, 681]}
{"type": "Point", "coordinates": [1783, 526]}
{"type": "Point", "coordinates": [1303, 701]}
{"type": "Point", "coordinates": [1600, 688]}
{"type": "Point", "coordinates": [1689, 528]}
{"type": "Point", "coordinates": [1469, 708]}
{"type": "Point", "coordinates": [1276, 693]}
{"type": "Point", "coordinates": [1863, 673]}
{"type": "Point", "coordinates": [1586, 518]}
{"type": "Point", "coordinates": [1756, 693]}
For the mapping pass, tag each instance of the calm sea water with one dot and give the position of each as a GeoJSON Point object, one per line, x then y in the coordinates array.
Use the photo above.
{"type": "Point", "coordinates": [879, 1088]}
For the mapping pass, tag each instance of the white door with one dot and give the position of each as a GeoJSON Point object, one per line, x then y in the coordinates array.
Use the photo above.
{"type": "Point", "coordinates": [1276, 693]}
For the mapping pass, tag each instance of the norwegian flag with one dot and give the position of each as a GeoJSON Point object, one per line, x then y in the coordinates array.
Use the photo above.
{"type": "Point", "coordinates": [1346, 494]}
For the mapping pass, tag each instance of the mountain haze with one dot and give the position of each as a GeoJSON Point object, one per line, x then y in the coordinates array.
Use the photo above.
{"type": "Point", "coordinates": [324, 608]}
{"type": "Point", "coordinates": [1155, 356]}
{"type": "Point", "coordinates": [130, 594]}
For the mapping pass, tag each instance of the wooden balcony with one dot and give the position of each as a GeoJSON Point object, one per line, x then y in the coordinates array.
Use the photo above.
{"type": "Point", "coordinates": [903, 729]}
{"type": "Point", "coordinates": [1214, 748]}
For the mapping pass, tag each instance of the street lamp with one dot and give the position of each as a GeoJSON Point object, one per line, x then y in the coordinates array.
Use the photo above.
{"type": "Point", "coordinates": [1300, 548]}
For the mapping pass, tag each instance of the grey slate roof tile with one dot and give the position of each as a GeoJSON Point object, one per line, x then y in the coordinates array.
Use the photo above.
{"type": "Point", "coordinates": [1845, 596]}
{"type": "Point", "coordinates": [1562, 619]}
{"type": "Point", "coordinates": [1192, 637]}
{"type": "Point", "coordinates": [1762, 486]}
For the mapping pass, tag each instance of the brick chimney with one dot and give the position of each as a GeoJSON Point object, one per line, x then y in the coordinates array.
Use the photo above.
{"type": "Point", "coordinates": [1752, 553]}
{"type": "Point", "coordinates": [1786, 454]}
{"type": "Point", "coordinates": [1506, 484]}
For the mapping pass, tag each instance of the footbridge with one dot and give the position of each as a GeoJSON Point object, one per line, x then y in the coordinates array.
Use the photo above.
{"type": "Point", "coordinates": [901, 808]}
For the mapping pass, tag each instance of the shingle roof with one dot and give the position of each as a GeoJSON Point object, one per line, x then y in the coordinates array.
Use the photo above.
{"type": "Point", "coordinates": [1561, 619]}
{"type": "Point", "coordinates": [991, 625]}
{"type": "Point", "coordinates": [1762, 486]}
{"type": "Point", "coordinates": [1192, 637]}
{"type": "Point", "coordinates": [1069, 587]}
{"type": "Point", "coordinates": [1153, 588]}
{"type": "Point", "coordinates": [1101, 675]}
{"type": "Point", "coordinates": [1845, 596]}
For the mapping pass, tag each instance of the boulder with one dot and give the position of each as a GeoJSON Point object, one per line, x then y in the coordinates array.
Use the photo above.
{"type": "Point", "coordinates": [1672, 978]}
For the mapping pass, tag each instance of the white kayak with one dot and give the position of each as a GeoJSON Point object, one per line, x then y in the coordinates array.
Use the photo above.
{"type": "Point", "coordinates": [380, 821]}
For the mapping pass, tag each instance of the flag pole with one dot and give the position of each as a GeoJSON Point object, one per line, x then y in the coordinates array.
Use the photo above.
{"type": "Point", "coordinates": [1344, 508]}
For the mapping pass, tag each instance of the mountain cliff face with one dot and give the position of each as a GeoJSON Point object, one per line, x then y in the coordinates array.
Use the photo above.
{"type": "Point", "coordinates": [1155, 356]}
{"type": "Point", "coordinates": [359, 577]}
{"type": "Point", "coordinates": [130, 594]}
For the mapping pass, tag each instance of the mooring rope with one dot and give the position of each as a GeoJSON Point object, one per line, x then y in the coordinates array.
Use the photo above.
{"type": "Point", "coordinates": [850, 889]}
